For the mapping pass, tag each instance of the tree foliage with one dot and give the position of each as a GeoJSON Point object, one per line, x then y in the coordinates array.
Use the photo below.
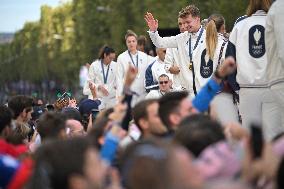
{"type": "Point", "coordinates": [70, 35]}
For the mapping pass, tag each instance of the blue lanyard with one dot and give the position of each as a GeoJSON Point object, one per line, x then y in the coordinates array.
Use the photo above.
{"type": "Point", "coordinates": [133, 60]}
{"type": "Point", "coordinates": [196, 43]}
{"type": "Point", "coordinates": [105, 76]}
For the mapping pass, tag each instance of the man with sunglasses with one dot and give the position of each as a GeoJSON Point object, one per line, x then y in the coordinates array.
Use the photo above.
{"type": "Point", "coordinates": [165, 85]}
{"type": "Point", "coordinates": [186, 43]}
{"type": "Point", "coordinates": [154, 70]}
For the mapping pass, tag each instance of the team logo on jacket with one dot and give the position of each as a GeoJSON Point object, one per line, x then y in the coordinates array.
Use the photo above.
{"type": "Point", "coordinates": [256, 41]}
{"type": "Point", "coordinates": [206, 66]}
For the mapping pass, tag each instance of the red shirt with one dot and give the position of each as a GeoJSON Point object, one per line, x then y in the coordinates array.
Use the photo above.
{"type": "Point", "coordinates": [12, 150]}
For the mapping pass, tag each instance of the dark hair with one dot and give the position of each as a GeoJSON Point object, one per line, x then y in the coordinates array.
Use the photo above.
{"type": "Point", "coordinates": [100, 127]}
{"type": "Point", "coordinates": [164, 75]}
{"type": "Point", "coordinates": [255, 5]}
{"type": "Point", "coordinates": [189, 10]}
{"type": "Point", "coordinates": [168, 104]}
{"type": "Point", "coordinates": [57, 161]}
{"type": "Point", "coordinates": [50, 124]}
{"type": "Point", "coordinates": [280, 174]}
{"type": "Point", "coordinates": [18, 103]}
{"type": "Point", "coordinates": [198, 131]}
{"type": "Point", "coordinates": [71, 113]}
{"type": "Point", "coordinates": [139, 111]}
{"type": "Point", "coordinates": [144, 164]}
{"type": "Point", "coordinates": [5, 117]}
{"type": "Point", "coordinates": [130, 33]}
{"type": "Point", "coordinates": [105, 50]}
{"type": "Point", "coordinates": [142, 40]}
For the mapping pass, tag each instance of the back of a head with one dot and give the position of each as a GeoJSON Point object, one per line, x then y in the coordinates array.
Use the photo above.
{"type": "Point", "coordinates": [57, 161]}
{"type": "Point", "coordinates": [219, 21]}
{"type": "Point", "coordinates": [196, 132]}
{"type": "Point", "coordinates": [255, 5]}
{"type": "Point", "coordinates": [213, 27]}
{"type": "Point", "coordinates": [71, 113]}
{"type": "Point", "coordinates": [19, 134]}
{"type": "Point", "coordinates": [144, 165]}
{"type": "Point", "coordinates": [18, 103]}
{"type": "Point", "coordinates": [5, 117]}
{"type": "Point", "coordinates": [98, 131]}
{"type": "Point", "coordinates": [168, 104]}
{"type": "Point", "coordinates": [50, 125]}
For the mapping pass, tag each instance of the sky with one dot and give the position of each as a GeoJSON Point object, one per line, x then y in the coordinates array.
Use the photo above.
{"type": "Point", "coordinates": [14, 13]}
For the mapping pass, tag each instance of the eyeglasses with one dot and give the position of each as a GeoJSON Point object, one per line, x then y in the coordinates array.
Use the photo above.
{"type": "Point", "coordinates": [163, 82]}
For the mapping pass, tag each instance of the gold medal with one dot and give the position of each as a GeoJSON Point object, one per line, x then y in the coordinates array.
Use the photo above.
{"type": "Point", "coordinates": [190, 65]}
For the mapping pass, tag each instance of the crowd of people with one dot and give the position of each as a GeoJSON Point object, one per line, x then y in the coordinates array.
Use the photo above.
{"type": "Point", "coordinates": [206, 113]}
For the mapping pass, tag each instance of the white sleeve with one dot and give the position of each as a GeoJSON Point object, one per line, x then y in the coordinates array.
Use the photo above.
{"type": "Point", "coordinates": [169, 59]}
{"type": "Point", "coordinates": [120, 72]}
{"type": "Point", "coordinates": [163, 42]}
{"type": "Point", "coordinates": [275, 20]}
{"type": "Point", "coordinates": [151, 95]}
{"type": "Point", "coordinates": [86, 89]}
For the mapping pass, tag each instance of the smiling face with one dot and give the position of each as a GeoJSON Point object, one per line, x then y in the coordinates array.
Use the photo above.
{"type": "Point", "coordinates": [192, 23]}
{"type": "Point", "coordinates": [131, 43]}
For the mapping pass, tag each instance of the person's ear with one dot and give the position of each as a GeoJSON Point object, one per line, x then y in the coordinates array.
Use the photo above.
{"type": "Point", "coordinates": [101, 140]}
{"type": "Point", "coordinates": [105, 55]}
{"type": "Point", "coordinates": [174, 119]}
{"type": "Point", "coordinates": [143, 124]}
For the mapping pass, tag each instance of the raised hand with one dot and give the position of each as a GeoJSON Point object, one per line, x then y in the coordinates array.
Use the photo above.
{"type": "Point", "coordinates": [72, 103]}
{"type": "Point", "coordinates": [119, 112]}
{"type": "Point", "coordinates": [151, 21]}
{"type": "Point", "coordinates": [227, 67]}
{"type": "Point", "coordinates": [93, 89]}
{"type": "Point", "coordinates": [130, 76]}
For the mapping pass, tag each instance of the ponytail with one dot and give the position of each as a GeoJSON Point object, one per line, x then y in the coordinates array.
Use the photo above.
{"type": "Point", "coordinates": [211, 39]}
{"type": "Point", "coordinates": [105, 50]}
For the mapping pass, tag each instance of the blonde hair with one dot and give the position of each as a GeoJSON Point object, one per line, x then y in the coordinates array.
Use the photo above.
{"type": "Point", "coordinates": [189, 10]}
{"type": "Point", "coordinates": [211, 39]}
{"type": "Point", "coordinates": [130, 33]}
{"type": "Point", "coordinates": [19, 134]}
{"type": "Point", "coordinates": [255, 5]}
{"type": "Point", "coordinates": [215, 22]}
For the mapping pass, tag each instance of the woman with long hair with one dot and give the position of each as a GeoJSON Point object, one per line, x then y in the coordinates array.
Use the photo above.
{"type": "Point", "coordinates": [103, 76]}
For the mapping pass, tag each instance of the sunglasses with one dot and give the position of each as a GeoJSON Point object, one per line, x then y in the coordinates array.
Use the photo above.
{"type": "Point", "coordinates": [163, 82]}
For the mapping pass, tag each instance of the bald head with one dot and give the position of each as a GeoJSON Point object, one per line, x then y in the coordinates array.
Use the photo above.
{"type": "Point", "coordinates": [76, 128]}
